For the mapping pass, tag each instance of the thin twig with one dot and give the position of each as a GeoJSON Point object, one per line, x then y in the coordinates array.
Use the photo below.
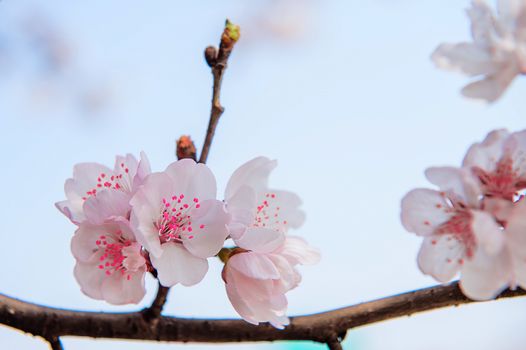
{"type": "Point", "coordinates": [321, 327]}
{"type": "Point", "coordinates": [154, 311]}
{"type": "Point", "coordinates": [335, 345]}
{"type": "Point", "coordinates": [55, 343]}
{"type": "Point", "coordinates": [217, 60]}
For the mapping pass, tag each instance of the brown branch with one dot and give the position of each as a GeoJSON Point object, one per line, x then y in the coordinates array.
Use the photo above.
{"type": "Point", "coordinates": [217, 60]}
{"type": "Point", "coordinates": [325, 327]}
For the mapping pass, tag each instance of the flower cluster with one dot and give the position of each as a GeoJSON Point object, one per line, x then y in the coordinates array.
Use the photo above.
{"type": "Point", "coordinates": [498, 51]}
{"type": "Point", "coordinates": [132, 221]}
{"type": "Point", "coordinates": [475, 223]}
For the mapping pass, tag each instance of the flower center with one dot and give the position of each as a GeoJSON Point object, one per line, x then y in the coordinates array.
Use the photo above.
{"type": "Point", "coordinates": [118, 180]}
{"type": "Point", "coordinates": [112, 258]}
{"type": "Point", "coordinates": [268, 213]}
{"type": "Point", "coordinates": [459, 227]}
{"type": "Point", "coordinates": [175, 221]}
{"type": "Point", "coordinates": [504, 182]}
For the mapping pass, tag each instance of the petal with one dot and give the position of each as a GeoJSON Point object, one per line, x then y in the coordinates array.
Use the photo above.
{"type": "Point", "coordinates": [119, 289]}
{"type": "Point", "coordinates": [90, 279]}
{"type": "Point", "coordinates": [488, 234]}
{"type": "Point", "coordinates": [288, 203]}
{"type": "Point", "coordinates": [493, 86]}
{"type": "Point", "coordinates": [484, 277]}
{"type": "Point", "coordinates": [440, 257]}
{"type": "Point", "coordinates": [143, 170]}
{"type": "Point", "coordinates": [423, 210]}
{"type": "Point", "coordinates": [516, 239]}
{"type": "Point", "coordinates": [261, 240]}
{"type": "Point", "coordinates": [83, 244]}
{"type": "Point", "coordinates": [460, 182]}
{"type": "Point", "coordinates": [127, 162]}
{"type": "Point", "coordinates": [207, 241]}
{"type": "Point", "coordinates": [487, 153]}
{"type": "Point", "coordinates": [298, 251]}
{"type": "Point", "coordinates": [241, 307]}
{"type": "Point", "coordinates": [146, 210]}
{"type": "Point", "coordinates": [253, 173]}
{"type": "Point", "coordinates": [254, 265]}
{"type": "Point", "coordinates": [177, 265]}
{"type": "Point", "coordinates": [467, 58]}
{"type": "Point", "coordinates": [107, 205]}
{"type": "Point", "coordinates": [192, 179]}
{"type": "Point", "coordinates": [242, 208]}
{"type": "Point", "coordinates": [482, 23]}
{"type": "Point", "coordinates": [515, 146]}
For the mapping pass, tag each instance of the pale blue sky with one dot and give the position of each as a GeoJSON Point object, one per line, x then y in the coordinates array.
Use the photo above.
{"type": "Point", "coordinates": [353, 110]}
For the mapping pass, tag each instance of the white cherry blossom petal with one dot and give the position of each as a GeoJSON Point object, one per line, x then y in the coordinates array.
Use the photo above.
{"type": "Point", "coordinates": [441, 256]}
{"type": "Point", "coordinates": [424, 210]}
{"type": "Point", "coordinates": [178, 265]}
{"type": "Point", "coordinates": [107, 205]}
{"type": "Point", "coordinates": [254, 265]}
{"type": "Point", "coordinates": [261, 240]}
{"type": "Point", "coordinates": [124, 289]}
{"type": "Point", "coordinates": [485, 276]}
{"type": "Point", "coordinates": [208, 237]}
{"type": "Point", "coordinates": [192, 179]}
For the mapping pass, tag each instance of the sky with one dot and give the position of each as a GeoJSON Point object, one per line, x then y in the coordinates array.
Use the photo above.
{"type": "Point", "coordinates": [342, 93]}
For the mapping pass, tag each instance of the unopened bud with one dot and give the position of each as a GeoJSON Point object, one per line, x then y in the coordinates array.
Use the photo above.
{"type": "Point", "coordinates": [211, 56]}
{"type": "Point", "coordinates": [185, 148]}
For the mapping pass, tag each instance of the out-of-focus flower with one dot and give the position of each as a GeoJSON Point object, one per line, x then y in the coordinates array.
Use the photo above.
{"type": "Point", "coordinates": [498, 51]}
{"type": "Point", "coordinates": [176, 217]}
{"type": "Point", "coordinates": [475, 224]}
{"type": "Point", "coordinates": [110, 265]}
{"type": "Point", "coordinates": [97, 193]}
{"type": "Point", "coordinates": [255, 207]}
{"type": "Point", "coordinates": [259, 273]}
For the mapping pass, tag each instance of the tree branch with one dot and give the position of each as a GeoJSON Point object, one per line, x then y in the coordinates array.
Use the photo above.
{"type": "Point", "coordinates": [325, 327]}
{"type": "Point", "coordinates": [218, 60]}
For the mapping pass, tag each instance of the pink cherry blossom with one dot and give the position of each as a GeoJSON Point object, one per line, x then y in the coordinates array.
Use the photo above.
{"type": "Point", "coordinates": [254, 206]}
{"type": "Point", "coordinates": [499, 162]}
{"type": "Point", "coordinates": [458, 235]}
{"type": "Point", "coordinates": [262, 271]}
{"type": "Point", "coordinates": [97, 193]}
{"type": "Point", "coordinates": [498, 51]}
{"type": "Point", "coordinates": [179, 222]}
{"type": "Point", "coordinates": [110, 265]}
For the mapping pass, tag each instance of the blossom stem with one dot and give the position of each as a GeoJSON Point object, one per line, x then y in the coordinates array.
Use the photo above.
{"type": "Point", "coordinates": [154, 311]}
{"type": "Point", "coordinates": [217, 60]}
{"type": "Point", "coordinates": [55, 343]}
{"type": "Point", "coordinates": [321, 327]}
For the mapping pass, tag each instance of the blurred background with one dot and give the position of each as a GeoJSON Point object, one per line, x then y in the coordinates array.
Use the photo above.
{"type": "Point", "coordinates": [342, 93]}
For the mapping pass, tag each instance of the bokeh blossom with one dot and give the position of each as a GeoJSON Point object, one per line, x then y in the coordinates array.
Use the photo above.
{"type": "Point", "coordinates": [497, 53]}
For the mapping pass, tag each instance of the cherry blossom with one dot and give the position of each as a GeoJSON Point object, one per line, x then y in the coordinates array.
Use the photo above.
{"type": "Point", "coordinates": [259, 273]}
{"type": "Point", "coordinates": [255, 207]}
{"type": "Point", "coordinates": [458, 235]}
{"type": "Point", "coordinates": [97, 193]}
{"type": "Point", "coordinates": [110, 265]}
{"type": "Point", "coordinates": [498, 51]}
{"type": "Point", "coordinates": [177, 219]}
{"type": "Point", "coordinates": [499, 162]}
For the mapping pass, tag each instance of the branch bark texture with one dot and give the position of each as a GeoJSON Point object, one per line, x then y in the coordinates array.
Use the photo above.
{"type": "Point", "coordinates": [325, 327]}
